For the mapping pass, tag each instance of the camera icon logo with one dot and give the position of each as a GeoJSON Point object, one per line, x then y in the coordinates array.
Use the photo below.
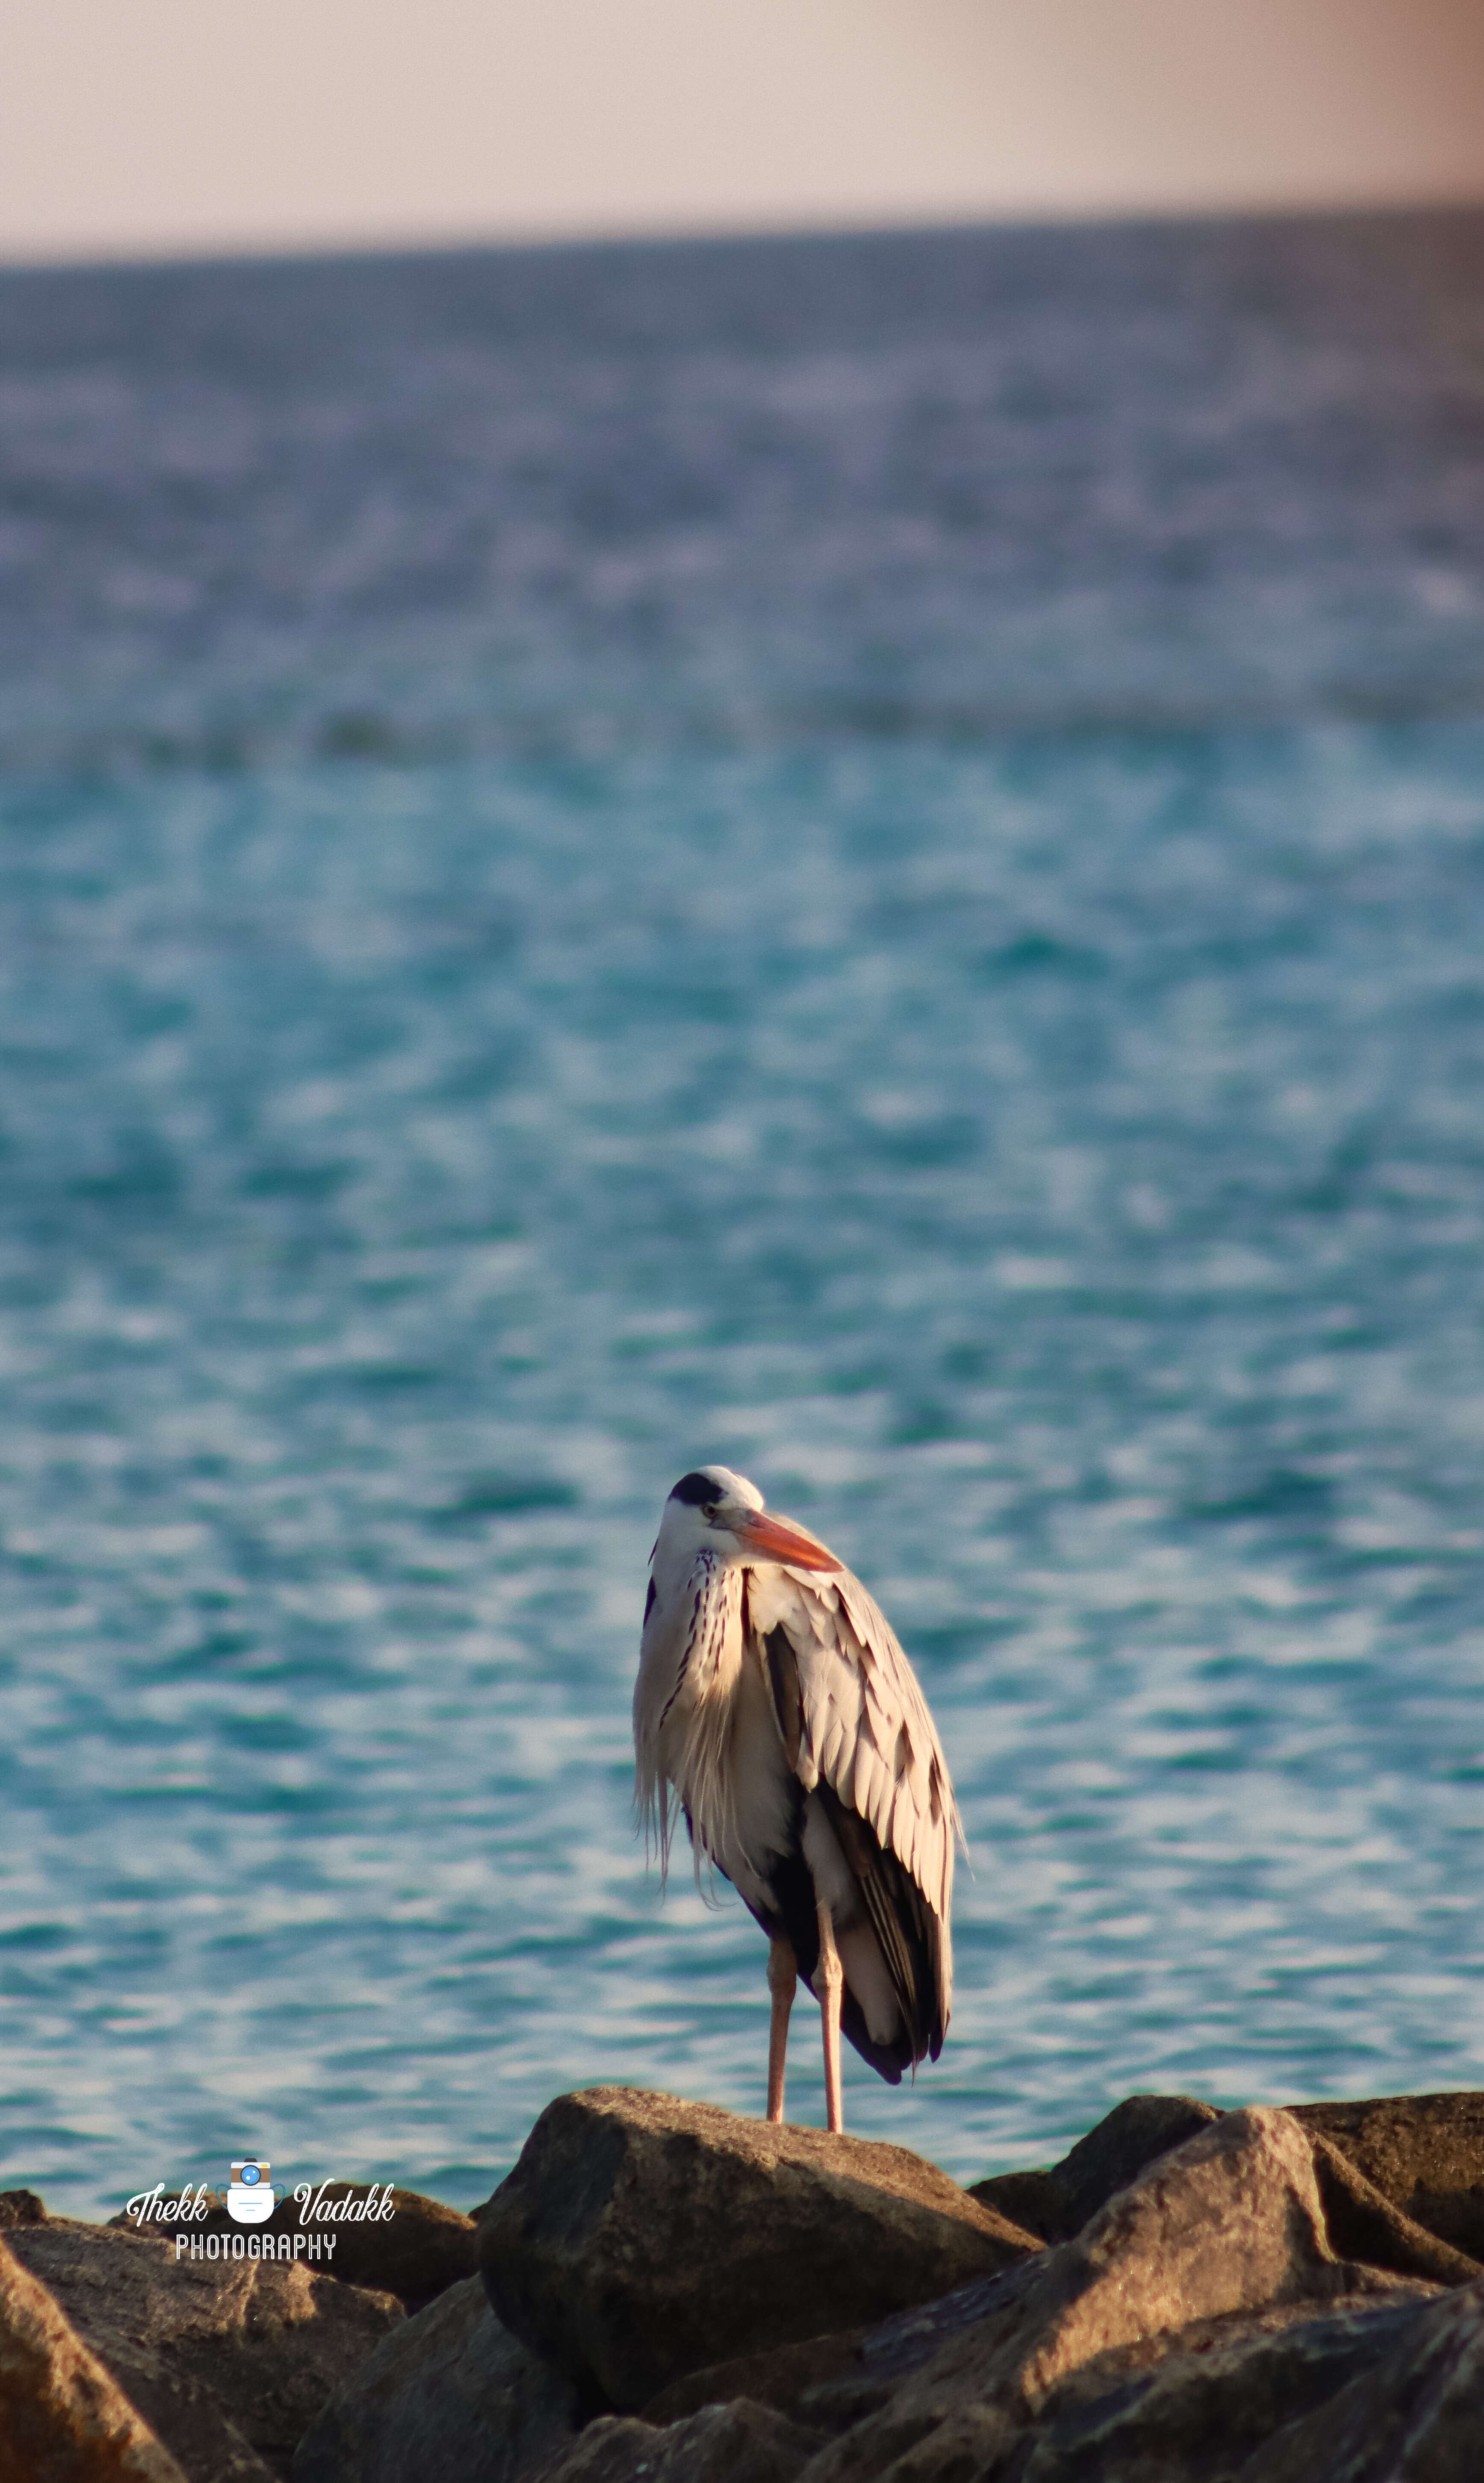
{"type": "Point", "coordinates": [250, 2198]}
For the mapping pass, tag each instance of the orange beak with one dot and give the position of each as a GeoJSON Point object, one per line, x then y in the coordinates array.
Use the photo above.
{"type": "Point", "coordinates": [773, 1539]}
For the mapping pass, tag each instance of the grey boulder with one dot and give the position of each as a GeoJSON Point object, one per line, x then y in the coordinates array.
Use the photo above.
{"type": "Point", "coordinates": [229, 2361]}
{"type": "Point", "coordinates": [1231, 2223]}
{"type": "Point", "coordinates": [826, 2383]}
{"type": "Point", "coordinates": [1057, 2200]}
{"type": "Point", "coordinates": [639, 2238]}
{"type": "Point", "coordinates": [1425, 2153]}
{"type": "Point", "coordinates": [20, 2207]}
{"type": "Point", "coordinates": [1221, 2389]}
{"type": "Point", "coordinates": [784, 2377]}
{"type": "Point", "coordinates": [1364, 2225]}
{"type": "Point", "coordinates": [1416, 2416]}
{"type": "Point", "coordinates": [740, 2442]}
{"type": "Point", "coordinates": [63, 2418]}
{"type": "Point", "coordinates": [450, 2393]}
{"type": "Point", "coordinates": [416, 2254]}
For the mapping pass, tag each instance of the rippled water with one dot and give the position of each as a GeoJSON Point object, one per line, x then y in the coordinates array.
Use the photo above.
{"type": "Point", "coordinates": [861, 858]}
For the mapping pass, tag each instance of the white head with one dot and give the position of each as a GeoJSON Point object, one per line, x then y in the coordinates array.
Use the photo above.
{"type": "Point", "coordinates": [715, 1511]}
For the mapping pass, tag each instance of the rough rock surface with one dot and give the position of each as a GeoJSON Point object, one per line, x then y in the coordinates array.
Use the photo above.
{"type": "Point", "coordinates": [450, 2393]}
{"type": "Point", "coordinates": [741, 2442]}
{"type": "Point", "coordinates": [786, 2377]}
{"type": "Point", "coordinates": [1425, 2153]}
{"type": "Point", "coordinates": [1215, 2392]}
{"type": "Point", "coordinates": [1057, 2200]}
{"type": "Point", "coordinates": [20, 2207]}
{"type": "Point", "coordinates": [827, 2382]}
{"type": "Point", "coordinates": [601, 2247]}
{"type": "Point", "coordinates": [1363, 2224]}
{"type": "Point", "coordinates": [1229, 2223]}
{"type": "Point", "coordinates": [63, 2418]}
{"type": "Point", "coordinates": [1255, 2297]}
{"type": "Point", "coordinates": [890, 2353]}
{"type": "Point", "coordinates": [1029, 2199]}
{"type": "Point", "coordinates": [229, 2361]}
{"type": "Point", "coordinates": [1416, 2416]}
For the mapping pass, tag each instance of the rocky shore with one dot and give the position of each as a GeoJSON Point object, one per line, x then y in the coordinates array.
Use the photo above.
{"type": "Point", "coordinates": [664, 2290]}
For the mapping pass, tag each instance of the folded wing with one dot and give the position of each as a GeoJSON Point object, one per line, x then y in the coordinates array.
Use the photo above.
{"type": "Point", "coordinates": [856, 1727]}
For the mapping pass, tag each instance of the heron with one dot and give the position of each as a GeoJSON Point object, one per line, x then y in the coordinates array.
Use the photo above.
{"type": "Point", "coordinates": [776, 1707]}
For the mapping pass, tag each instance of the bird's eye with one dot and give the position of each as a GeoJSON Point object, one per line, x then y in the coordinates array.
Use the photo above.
{"type": "Point", "coordinates": [710, 1508]}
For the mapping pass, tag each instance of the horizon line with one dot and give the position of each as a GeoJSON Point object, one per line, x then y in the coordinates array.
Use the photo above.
{"type": "Point", "coordinates": [90, 255]}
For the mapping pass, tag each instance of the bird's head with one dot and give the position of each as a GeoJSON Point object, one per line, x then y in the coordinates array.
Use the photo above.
{"type": "Point", "coordinates": [721, 1512]}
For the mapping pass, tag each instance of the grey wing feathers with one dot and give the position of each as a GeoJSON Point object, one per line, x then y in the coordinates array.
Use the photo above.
{"type": "Point", "coordinates": [864, 1729]}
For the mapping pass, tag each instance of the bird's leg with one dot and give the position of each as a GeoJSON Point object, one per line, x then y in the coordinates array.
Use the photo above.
{"type": "Point", "coordinates": [783, 1982]}
{"type": "Point", "coordinates": [830, 1978]}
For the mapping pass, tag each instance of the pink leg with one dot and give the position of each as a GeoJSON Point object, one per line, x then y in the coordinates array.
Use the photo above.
{"type": "Point", "coordinates": [783, 1982]}
{"type": "Point", "coordinates": [830, 1979]}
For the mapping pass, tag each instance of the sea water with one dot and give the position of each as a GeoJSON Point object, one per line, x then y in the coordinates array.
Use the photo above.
{"type": "Point", "coordinates": [861, 857]}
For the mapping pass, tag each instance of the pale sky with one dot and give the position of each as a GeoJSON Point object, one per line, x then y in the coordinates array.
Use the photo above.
{"type": "Point", "coordinates": [133, 127]}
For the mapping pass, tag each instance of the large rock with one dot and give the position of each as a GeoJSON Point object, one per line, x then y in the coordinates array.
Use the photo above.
{"type": "Point", "coordinates": [1222, 2389]}
{"type": "Point", "coordinates": [1056, 2201]}
{"type": "Point", "coordinates": [63, 2417]}
{"type": "Point", "coordinates": [826, 2383]}
{"type": "Point", "coordinates": [784, 2377]}
{"type": "Point", "coordinates": [20, 2207]}
{"type": "Point", "coordinates": [1422, 2157]}
{"type": "Point", "coordinates": [741, 2442]}
{"type": "Point", "coordinates": [639, 2238]}
{"type": "Point", "coordinates": [1425, 2153]}
{"type": "Point", "coordinates": [1364, 2225]}
{"type": "Point", "coordinates": [1229, 2223]}
{"type": "Point", "coordinates": [229, 2361]}
{"type": "Point", "coordinates": [449, 2393]}
{"type": "Point", "coordinates": [1416, 2416]}
{"type": "Point", "coordinates": [888, 2354]}
{"type": "Point", "coordinates": [416, 2252]}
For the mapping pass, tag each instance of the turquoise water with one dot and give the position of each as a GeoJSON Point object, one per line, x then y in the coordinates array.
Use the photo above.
{"type": "Point", "coordinates": [861, 859]}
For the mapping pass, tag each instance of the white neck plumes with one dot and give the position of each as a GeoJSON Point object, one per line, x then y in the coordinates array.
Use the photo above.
{"type": "Point", "coordinates": [689, 1664]}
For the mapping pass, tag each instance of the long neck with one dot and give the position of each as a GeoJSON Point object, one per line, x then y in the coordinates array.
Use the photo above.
{"type": "Point", "coordinates": [688, 1675]}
